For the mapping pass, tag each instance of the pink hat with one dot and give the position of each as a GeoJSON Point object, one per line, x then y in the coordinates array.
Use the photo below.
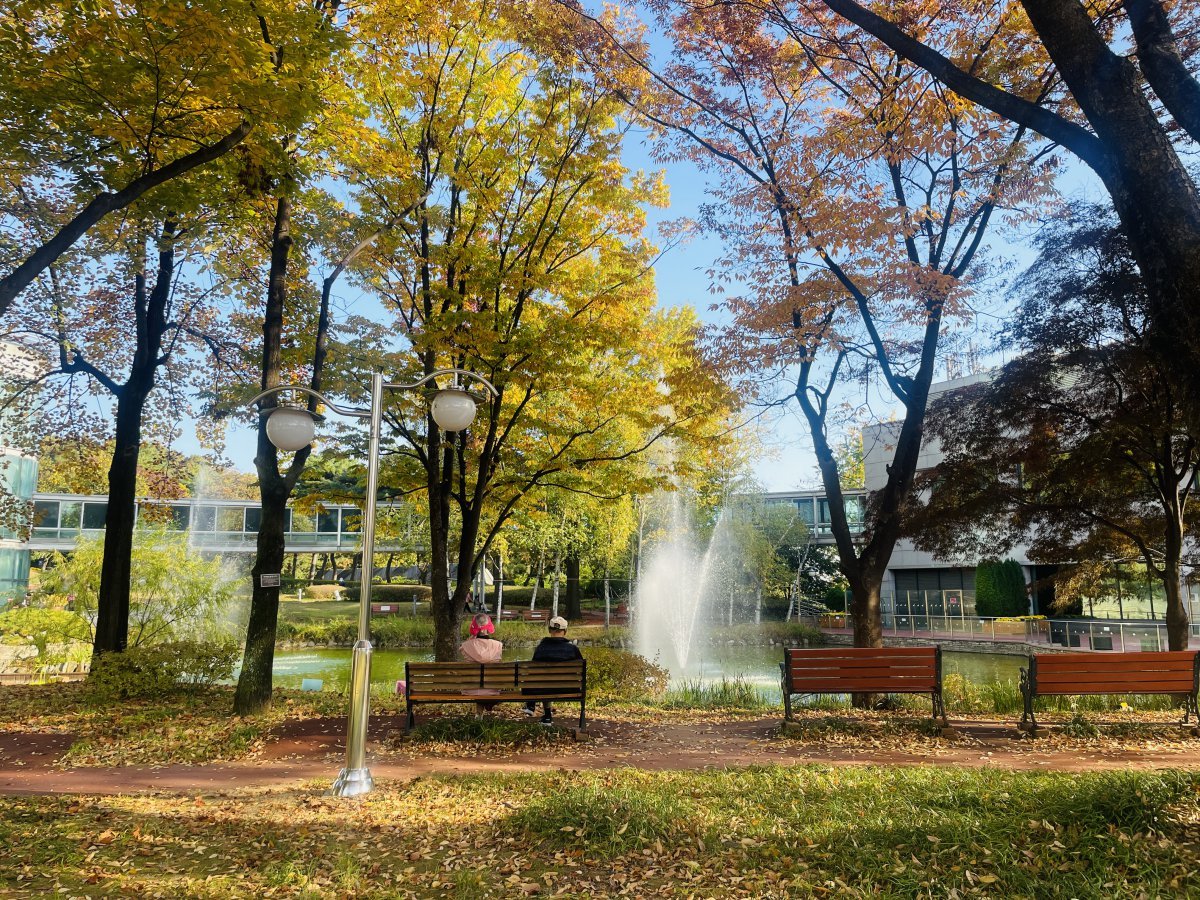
{"type": "Point", "coordinates": [485, 627]}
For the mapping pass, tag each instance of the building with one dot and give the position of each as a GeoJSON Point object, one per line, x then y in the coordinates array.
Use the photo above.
{"type": "Point", "coordinates": [918, 584]}
{"type": "Point", "coordinates": [18, 469]}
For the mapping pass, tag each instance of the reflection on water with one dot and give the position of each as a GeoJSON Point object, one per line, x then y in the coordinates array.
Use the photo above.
{"type": "Point", "coordinates": [757, 665]}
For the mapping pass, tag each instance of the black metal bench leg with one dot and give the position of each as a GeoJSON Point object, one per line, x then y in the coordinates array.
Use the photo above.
{"type": "Point", "coordinates": [410, 719]}
{"type": "Point", "coordinates": [582, 718]}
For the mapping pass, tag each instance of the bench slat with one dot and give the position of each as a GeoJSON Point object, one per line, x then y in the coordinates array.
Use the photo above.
{"type": "Point", "coordinates": [1122, 662]}
{"type": "Point", "coordinates": [1114, 687]}
{"type": "Point", "coordinates": [861, 652]}
{"type": "Point", "coordinates": [1124, 677]}
{"type": "Point", "coordinates": [907, 662]}
{"type": "Point", "coordinates": [864, 685]}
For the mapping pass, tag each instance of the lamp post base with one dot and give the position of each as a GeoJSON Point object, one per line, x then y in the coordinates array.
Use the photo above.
{"type": "Point", "coordinates": [352, 783]}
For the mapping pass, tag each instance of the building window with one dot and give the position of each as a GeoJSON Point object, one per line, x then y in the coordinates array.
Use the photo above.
{"type": "Point", "coordinates": [94, 516]}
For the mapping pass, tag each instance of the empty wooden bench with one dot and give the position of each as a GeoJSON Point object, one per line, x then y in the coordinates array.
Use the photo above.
{"type": "Point", "coordinates": [523, 681]}
{"type": "Point", "coordinates": [857, 670]}
{"type": "Point", "coordinates": [535, 615]}
{"type": "Point", "coordinates": [1076, 674]}
{"type": "Point", "coordinates": [385, 609]}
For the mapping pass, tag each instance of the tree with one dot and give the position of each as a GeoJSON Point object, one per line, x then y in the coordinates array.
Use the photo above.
{"type": "Point", "coordinates": [524, 262]}
{"type": "Point", "coordinates": [854, 193]}
{"type": "Point", "coordinates": [122, 324]}
{"type": "Point", "coordinates": [177, 594]}
{"type": "Point", "coordinates": [107, 102]}
{"type": "Point", "coordinates": [1081, 446]}
{"type": "Point", "coordinates": [1123, 102]}
{"type": "Point", "coordinates": [1000, 588]}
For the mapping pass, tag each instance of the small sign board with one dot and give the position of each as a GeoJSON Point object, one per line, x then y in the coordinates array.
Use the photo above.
{"type": "Point", "coordinates": [268, 581]}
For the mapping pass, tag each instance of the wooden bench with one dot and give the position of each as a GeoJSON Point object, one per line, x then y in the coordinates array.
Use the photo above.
{"type": "Point", "coordinates": [522, 681]}
{"type": "Point", "coordinates": [385, 609]}
{"type": "Point", "coordinates": [535, 615]}
{"type": "Point", "coordinates": [857, 670]}
{"type": "Point", "coordinates": [1076, 674]}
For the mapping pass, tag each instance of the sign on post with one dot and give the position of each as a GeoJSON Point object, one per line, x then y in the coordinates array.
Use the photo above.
{"type": "Point", "coordinates": [268, 580]}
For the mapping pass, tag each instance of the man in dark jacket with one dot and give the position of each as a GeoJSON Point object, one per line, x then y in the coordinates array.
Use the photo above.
{"type": "Point", "coordinates": [553, 648]}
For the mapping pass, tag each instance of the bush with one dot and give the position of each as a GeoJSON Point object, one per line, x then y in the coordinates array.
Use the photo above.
{"type": "Point", "coordinates": [159, 670]}
{"type": "Point", "coordinates": [1000, 589]}
{"type": "Point", "coordinates": [325, 592]}
{"type": "Point", "coordinates": [392, 593]}
{"type": "Point", "coordinates": [621, 675]}
{"type": "Point", "coordinates": [835, 598]}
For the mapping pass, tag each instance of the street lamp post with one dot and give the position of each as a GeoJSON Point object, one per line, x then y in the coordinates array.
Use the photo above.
{"type": "Point", "coordinates": [291, 429]}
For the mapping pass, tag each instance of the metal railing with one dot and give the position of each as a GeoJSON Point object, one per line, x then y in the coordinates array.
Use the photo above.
{"type": "Point", "coordinates": [1082, 634]}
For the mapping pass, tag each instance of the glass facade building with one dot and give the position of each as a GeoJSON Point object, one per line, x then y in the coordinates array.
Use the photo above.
{"type": "Point", "coordinates": [18, 472]}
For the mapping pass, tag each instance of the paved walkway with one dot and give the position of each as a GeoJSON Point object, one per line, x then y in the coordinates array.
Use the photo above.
{"type": "Point", "coordinates": [312, 750]}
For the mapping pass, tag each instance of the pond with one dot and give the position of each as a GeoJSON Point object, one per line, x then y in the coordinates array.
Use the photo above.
{"type": "Point", "coordinates": [757, 665]}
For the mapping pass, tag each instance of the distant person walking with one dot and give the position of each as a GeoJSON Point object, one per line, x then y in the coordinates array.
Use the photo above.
{"type": "Point", "coordinates": [553, 648]}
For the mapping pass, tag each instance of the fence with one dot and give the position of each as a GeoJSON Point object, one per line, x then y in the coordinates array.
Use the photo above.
{"type": "Point", "coordinates": [1084, 634]}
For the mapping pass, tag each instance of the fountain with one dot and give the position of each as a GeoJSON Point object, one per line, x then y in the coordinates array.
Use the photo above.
{"type": "Point", "coordinates": [675, 588]}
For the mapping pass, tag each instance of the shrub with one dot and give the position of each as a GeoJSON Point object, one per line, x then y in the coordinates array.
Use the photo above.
{"type": "Point", "coordinates": [159, 670]}
{"type": "Point", "coordinates": [392, 593]}
{"type": "Point", "coordinates": [621, 675]}
{"type": "Point", "coordinates": [325, 592]}
{"type": "Point", "coordinates": [835, 598]}
{"type": "Point", "coordinates": [1000, 589]}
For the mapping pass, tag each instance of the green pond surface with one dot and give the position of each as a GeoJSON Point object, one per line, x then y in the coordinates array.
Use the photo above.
{"type": "Point", "coordinates": [757, 665]}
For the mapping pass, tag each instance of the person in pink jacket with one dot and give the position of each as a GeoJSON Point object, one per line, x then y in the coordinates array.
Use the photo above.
{"type": "Point", "coordinates": [481, 647]}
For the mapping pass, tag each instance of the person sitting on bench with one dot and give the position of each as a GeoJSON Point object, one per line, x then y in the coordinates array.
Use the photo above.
{"type": "Point", "coordinates": [481, 647]}
{"type": "Point", "coordinates": [553, 648]}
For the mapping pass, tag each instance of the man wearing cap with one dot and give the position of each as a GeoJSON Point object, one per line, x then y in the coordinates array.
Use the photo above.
{"type": "Point", "coordinates": [553, 648]}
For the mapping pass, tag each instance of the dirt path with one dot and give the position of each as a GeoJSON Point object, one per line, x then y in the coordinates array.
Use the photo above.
{"type": "Point", "coordinates": [312, 749]}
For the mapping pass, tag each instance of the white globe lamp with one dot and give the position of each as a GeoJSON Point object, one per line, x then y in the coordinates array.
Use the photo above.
{"type": "Point", "coordinates": [452, 409]}
{"type": "Point", "coordinates": [290, 429]}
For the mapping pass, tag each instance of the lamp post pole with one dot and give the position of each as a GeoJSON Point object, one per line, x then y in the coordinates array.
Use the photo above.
{"type": "Point", "coordinates": [453, 409]}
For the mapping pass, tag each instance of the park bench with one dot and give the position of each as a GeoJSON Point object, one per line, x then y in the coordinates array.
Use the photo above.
{"type": "Point", "coordinates": [508, 682]}
{"type": "Point", "coordinates": [535, 615]}
{"type": "Point", "coordinates": [1076, 674]}
{"type": "Point", "coordinates": [385, 609]}
{"type": "Point", "coordinates": [857, 670]}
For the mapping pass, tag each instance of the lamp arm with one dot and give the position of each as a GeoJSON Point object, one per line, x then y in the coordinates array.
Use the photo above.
{"type": "Point", "coordinates": [340, 410]}
{"type": "Point", "coordinates": [432, 375]}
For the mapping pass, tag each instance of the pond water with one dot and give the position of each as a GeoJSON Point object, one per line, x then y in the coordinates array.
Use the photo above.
{"type": "Point", "coordinates": [757, 665]}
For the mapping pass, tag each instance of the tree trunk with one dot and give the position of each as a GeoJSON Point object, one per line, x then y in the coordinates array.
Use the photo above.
{"type": "Point", "coordinates": [499, 585]}
{"type": "Point", "coordinates": [150, 322]}
{"type": "Point", "coordinates": [554, 586]}
{"type": "Point", "coordinates": [112, 613]}
{"type": "Point", "coordinates": [574, 608]}
{"type": "Point", "coordinates": [254, 682]}
{"type": "Point", "coordinates": [445, 608]}
{"type": "Point", "coordinates": [1178, 626]}
{"type": "Point", "coordinates": [758, 605]}
{"type": "Point", "coordinates": [607, 600]}
{"type": "Point", "coordinates": [537, 583]}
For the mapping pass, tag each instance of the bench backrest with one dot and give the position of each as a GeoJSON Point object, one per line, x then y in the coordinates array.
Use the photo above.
{"type": "Point", "coordinates": [1172, 672]}
{"type": "Point", "coordinates": [552, 676]}
{"type": "Point", "coordinates": [534, 615]}
{"type": "Point", "coordinates": [455, 677]}
{"type": "Point", "coordinates": [845, 670]}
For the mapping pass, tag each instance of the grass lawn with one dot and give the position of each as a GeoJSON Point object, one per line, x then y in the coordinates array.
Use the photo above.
{"type": "Point", "coordinates": [764, 832]}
